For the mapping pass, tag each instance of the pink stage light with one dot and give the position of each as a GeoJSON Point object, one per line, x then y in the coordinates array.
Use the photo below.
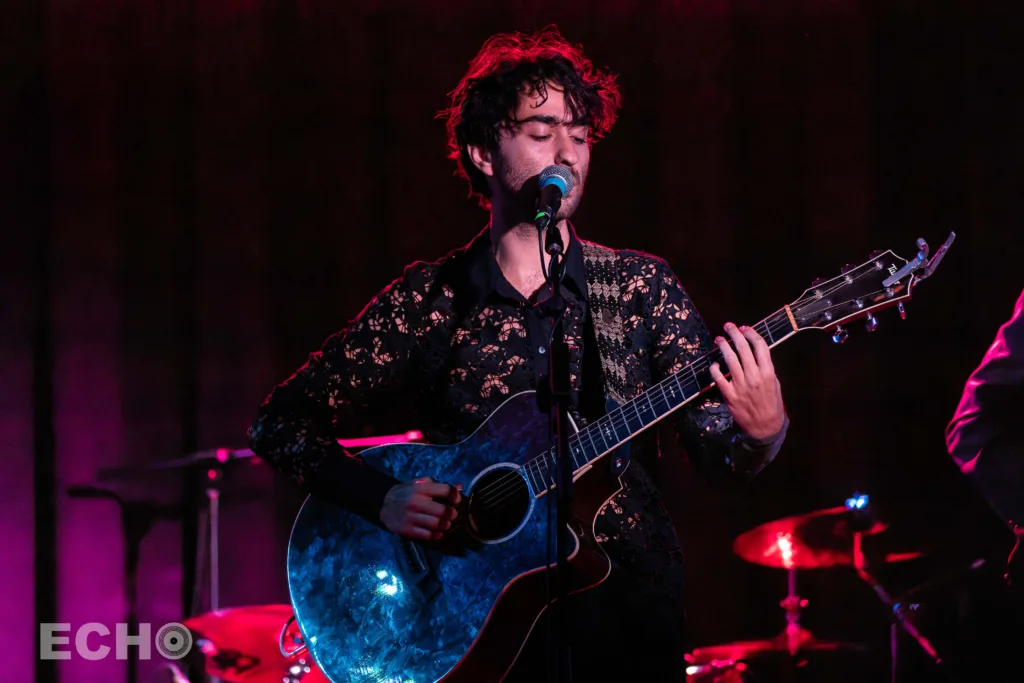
{"type": "Point", "coordinates": [367, 442]}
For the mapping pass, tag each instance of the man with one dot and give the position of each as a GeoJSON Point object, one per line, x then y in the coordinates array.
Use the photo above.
{"type": "Point", "coordinates": [984, 437]}
{"type": "Point", "coordinates": [455, 338]}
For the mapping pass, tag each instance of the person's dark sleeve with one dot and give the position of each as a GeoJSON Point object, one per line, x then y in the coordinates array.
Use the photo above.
{"type": "Point", "coordinates": [359, 370]}
{"type": "Point", "coordinates": [984, 436]}
{"type": "Point", "coordinates": [719, 450]}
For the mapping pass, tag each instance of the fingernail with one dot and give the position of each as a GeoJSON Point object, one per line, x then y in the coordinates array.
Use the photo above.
{"type": "Point", "coordinates": [719, 340]}
{"type": "Point", "coordinates": [729, 326]}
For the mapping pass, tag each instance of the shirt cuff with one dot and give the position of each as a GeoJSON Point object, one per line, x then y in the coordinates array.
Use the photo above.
{"type": "Point", "coordinates": [776, 438]}
{"type": "Point", "coordinates": [349, 482]}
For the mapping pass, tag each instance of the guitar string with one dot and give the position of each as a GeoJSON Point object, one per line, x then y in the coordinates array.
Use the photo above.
{"type": "Point", "coordinates": [502, 491]}
{"type": "Point", "coordinates": [514, 477]}
{"type": "Point", "coordinates": [510, 480]}
{"type": "Point", "coordinates": [507, 486]}
{"type": "Point", "coordinates": [694, 367]}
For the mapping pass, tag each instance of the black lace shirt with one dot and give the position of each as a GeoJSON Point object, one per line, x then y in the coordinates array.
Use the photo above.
{"type": "Point", "coordinates": [445, 344]}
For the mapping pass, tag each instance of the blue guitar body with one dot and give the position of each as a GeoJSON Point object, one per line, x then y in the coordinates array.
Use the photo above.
{"type": "Point", "coordinates": [373, 606]}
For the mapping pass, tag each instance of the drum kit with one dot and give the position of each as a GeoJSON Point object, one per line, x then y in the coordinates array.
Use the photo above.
{"type": "Point", "coordinates": [845, 537]}
{"type": "Point", "coordinates": [262, 643]}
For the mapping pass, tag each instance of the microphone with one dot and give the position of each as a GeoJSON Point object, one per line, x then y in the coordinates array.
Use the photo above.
{"type": "Point", "coordinates": [555, 182]}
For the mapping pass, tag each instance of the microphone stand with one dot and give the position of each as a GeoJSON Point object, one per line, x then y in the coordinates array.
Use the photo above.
{"type": "Point", "coordinates": [560, 393]}
{"type": "Point", "coordinates": [137, 517]}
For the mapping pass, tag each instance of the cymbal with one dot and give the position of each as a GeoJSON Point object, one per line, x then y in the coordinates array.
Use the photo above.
{"type": "Point", "coordinates": [803, 642]}
{"type": "Point", "coordinates": [212, 457]}
{"type": "Point", "coordinates": [241, 645]}
{"type": "Point", "coordinates": [220, 456]}
{"type": "Point", "coordinates": [815, 540]}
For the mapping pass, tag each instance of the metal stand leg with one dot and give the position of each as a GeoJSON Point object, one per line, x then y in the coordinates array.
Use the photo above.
{"type": "Point", "coordinates": [792, 605]}
{"type": "Point", "coordinates": [208, 550]}
{"type": "Point", "coordinates": [893, 648]}
{"type": "Point", "coordinates": [213, 496]}
{"type": "Point", "coordinates": [899, 612]}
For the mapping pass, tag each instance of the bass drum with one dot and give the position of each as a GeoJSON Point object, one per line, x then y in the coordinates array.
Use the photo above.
{"type": "Point", "coordinates": [760, 661]}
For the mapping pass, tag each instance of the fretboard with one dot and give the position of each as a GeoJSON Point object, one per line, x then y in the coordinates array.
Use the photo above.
{"type": "Point", "coordinates": [626, 421]}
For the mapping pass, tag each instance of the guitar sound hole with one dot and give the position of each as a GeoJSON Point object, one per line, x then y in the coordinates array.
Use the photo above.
{"type": "Point", "coordinates": [498, 503]}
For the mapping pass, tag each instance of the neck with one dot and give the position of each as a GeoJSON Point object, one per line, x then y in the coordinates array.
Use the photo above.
{"type": "Point", "coordinates": [517, 250]}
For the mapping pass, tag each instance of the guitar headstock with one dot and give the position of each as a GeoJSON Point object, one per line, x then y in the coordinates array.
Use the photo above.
{"type": "Point", "coordinates": [883, 281]}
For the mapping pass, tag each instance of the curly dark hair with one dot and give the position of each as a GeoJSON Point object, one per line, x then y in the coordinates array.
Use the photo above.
{"type": "Point", "coordinates": [484, 102]}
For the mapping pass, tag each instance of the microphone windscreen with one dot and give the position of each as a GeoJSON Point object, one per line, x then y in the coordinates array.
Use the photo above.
{"type": "Point", "coordinates": [556, 175]}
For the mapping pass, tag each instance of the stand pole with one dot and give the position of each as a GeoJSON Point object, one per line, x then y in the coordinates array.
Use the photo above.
{"type": "Point", "coordinates": [136, 520]}
{"type": "Point", "coordinates": [560, 393]}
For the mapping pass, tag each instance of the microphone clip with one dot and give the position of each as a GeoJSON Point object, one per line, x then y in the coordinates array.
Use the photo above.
{"type": "Point", "coordinates": [553, 244]}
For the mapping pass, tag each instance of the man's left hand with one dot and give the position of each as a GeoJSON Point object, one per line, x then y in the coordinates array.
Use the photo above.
{"type": "Point", "coordinates": [752, 393]}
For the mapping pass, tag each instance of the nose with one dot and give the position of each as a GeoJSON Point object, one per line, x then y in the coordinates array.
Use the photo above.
{"type": "Point", "coordinates": [566, 153]}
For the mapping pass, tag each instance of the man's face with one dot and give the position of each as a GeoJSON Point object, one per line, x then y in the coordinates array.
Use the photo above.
{"type": "Point", "coordinates": [542, 135]}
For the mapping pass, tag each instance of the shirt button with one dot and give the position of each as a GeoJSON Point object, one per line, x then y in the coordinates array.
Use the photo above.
{"type": "Point", "coordinates": [542, 350]}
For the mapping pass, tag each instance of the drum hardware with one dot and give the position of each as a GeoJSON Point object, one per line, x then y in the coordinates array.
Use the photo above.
{"type": "Point", "coordinates": [847, 535]}
{"type": "Point", "coordinates": [137, 518]}
{"type": "Point", "coordinates": [239, 645]}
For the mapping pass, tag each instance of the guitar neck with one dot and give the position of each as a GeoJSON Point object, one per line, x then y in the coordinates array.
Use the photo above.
{"type": "Point", "coordinates": [635, 416]}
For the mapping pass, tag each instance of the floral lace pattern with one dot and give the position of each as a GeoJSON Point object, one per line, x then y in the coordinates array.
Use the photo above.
{"type": "Point", "coordinates": [436, 341]}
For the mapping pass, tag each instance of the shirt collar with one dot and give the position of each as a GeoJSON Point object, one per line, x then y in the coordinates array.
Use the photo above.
{"type": "Point", "coordinates": [486, 278]}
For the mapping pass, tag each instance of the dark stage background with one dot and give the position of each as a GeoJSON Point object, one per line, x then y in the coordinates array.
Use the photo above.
{"type": "Point", "coordinates": [195, 195]}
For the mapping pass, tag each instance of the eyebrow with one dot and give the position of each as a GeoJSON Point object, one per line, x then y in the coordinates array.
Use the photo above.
{"type": "Point", "coordinates": [550, 120]}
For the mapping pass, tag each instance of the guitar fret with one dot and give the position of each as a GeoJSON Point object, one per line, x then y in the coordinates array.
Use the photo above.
{"type": "Point", "coordinates": [593, 445]}
{"type": "Point", "coordinates": [661, 399]}
{"type": "Point", "coordinates": [530, 478]}
{"type": "Point", "coordinates": [618, 426]}
{"type": "Point", "coordinates": [538, 475]}
{"type": "Point", "coordinates": [677, 387]}
{"type": "Point", "coordinates": [608, 433]}
{"type": "Point", "coordinates": [601, 430]}
{"type": "Point", "coordinates": [577, 449]}
{"type": "Point", "coordinates": [624, 424]}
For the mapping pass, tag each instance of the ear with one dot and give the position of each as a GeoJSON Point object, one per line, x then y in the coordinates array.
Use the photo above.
{"type": "Point", "coordinates": [482, 159]}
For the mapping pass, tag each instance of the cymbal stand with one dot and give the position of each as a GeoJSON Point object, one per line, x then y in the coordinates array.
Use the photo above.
{"type": "Point", "coordinates": [792, 604]}
{"type": "Point", "coordinates": [208, 546]}
{"type": "Point", "coordinates": [900, 613]}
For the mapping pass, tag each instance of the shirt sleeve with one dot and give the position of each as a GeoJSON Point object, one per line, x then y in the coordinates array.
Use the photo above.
{"type": "Point", "coordinates": [714, 443]}
{"type": "Point", "coordinates": [356, 372]}
{"type": "Point", "coordinates": [994, 391]}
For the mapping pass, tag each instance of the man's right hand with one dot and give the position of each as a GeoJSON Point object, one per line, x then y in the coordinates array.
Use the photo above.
{"type": "Point", "coordinates": [410, 509]}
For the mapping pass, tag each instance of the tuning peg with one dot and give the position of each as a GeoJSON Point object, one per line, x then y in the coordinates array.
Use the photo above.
{"type": "Point", "coordinates": [847, 268]}
{"type": "Point", "coordinates": [870, 323]}
{"type": "Point", "coordinates": [818, 281]}
{"type": "Point", "coordinates": [903, 311]}
{"type": "Point", "coordinates": [840, 335]}
{"type": "Point", "coordinates": [876, 253]}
